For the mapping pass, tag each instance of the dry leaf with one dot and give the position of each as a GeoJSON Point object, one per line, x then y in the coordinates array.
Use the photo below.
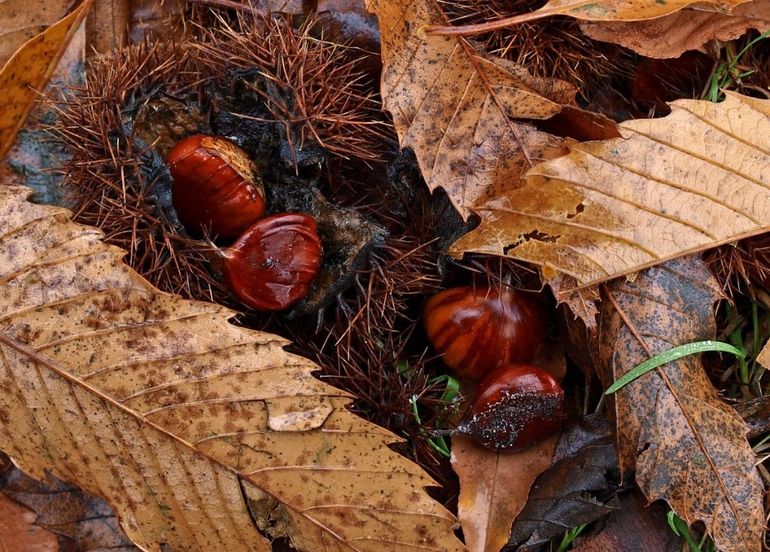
{"type": "Point", "coordinates": [763, 358]}
{"type": "Point", "coordinates": [28, 70]}
{"type": "Point", "coordinates": [695, 179]}
{"type": "Point", "coordinates": [18, 531]}
{"type": "Point", "coordinates": [689, 29]}
{"type": "Point", "coordinates": [174, 415]}
{"type": "Point", "coordinates": [590, 10]}
{"type": "Point", "coordinates": [688, 447]}
{"type": "Point", "coordinates": [454, 107]}
{"type": "Point", "coordinates": [629, 10]}
{"type": "Point", "coordinates": [21, 20]}
{"type": "Point", "coordinates": [493, 488]}
{"type": "Point", "coordinates": [85, 520]}
{"type": "Point", "coordinates": [581, 303]}
{"type": "Point", "coordinates": [574, 489]}
{"type": "Point", "coordinates": [633, 527]}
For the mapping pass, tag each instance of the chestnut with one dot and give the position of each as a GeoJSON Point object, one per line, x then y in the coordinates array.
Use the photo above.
{"type": "Point", "coordinates": [215, 186]}
{"type": "Point", "coordinates": [479, 328]}
{"type": "Point", "coordinates": [515, 406]}
{"type": "Point", "coordinates": [272, 265]}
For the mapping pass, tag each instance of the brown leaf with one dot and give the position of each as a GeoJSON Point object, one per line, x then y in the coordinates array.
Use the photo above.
{"type": "Point", "coordinates": [688, 447]}
{"type": "Point", "coordinates": [20, 20]}
{"type": "Point", "coordinates": [582, 303]}
{"type": "Point", "coordinates": [589, 10]}
{"type": "Point", "coordinates": [692, 180]}
{"type": "Point", "coordinates": [630, 10]}
{"type": "Point", "coordinates": [18, 531]}
{"type": "Point", "coordinates": [67, 511]}
{"type": "Point", "coordinates": [175, 416]}
{"type": "Point", "coordinates": [455, 107]}
{"type": "Point", "coordinates": [28, 70]}
{"type": "Point", "coordinates": [633, 527]}
{"type": "Point", "coordinates": [689, 29]}
{"type": "Point", "coordinates": [763, 358]}
{"type": "Point", "coordinates": [573, 489]}
{"type": "Point", "coordinates": [494, 487]}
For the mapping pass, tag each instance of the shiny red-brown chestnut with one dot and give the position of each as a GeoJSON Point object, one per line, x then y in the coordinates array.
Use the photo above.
{"type": "Point", "coordinates": [272, 265]}
{"type": "Point", "coordinates": [215, 186]}
{"type": "Point", "coordinates": [478, 329]}
{"type": "Point", "coordinates": [515, 406]}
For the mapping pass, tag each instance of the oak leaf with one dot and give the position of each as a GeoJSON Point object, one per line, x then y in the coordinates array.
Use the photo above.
{"type": "Point", "coordinates": [687, 446]}
{"type": "Point", "coordinates": [185, 423]}
{"type": "Point", "coordinates": [688, 29]}
{"type": "Point", "coordinates": [690, 181]}
{"type": "Point", "coordinates": [27, 71]}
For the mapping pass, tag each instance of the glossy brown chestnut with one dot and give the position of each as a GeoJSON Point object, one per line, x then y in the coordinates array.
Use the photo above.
{"type": "Point", "coordinates": [272, 265]}
{"type": "Point", "coordinates": [515, 406]}
{"type": "Point", "coordinates": [215, 186]}
{"type": "Point", "coordinates": [477, 329]}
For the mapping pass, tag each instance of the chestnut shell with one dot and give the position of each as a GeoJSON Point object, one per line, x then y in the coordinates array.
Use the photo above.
{"type": "Point", "coordinates": [515, 406]}
{"type": "Point", "coordinates": [273, 264]}
{"type": "Point", "coordinates": [215, 186]}
{"type": "Point", "coordinates": [478, 329]}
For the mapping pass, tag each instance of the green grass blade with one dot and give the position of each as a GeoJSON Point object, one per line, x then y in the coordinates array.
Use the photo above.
{"type": "Point", "coordinates": [669, 356]}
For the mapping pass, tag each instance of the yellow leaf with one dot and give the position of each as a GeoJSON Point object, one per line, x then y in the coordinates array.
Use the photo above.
{"type": "Point", "coordinates": [182, 421]}
{"type": "Point", "coordinates": [695, 179]}
{"type": "Point", "coordinates": [29, 69]}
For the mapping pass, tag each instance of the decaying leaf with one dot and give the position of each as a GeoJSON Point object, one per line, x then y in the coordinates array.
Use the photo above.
{"type": "Point", "coordinates": [493, 488]}
{"type": "Point", "coordinates": [82, 521]}
{"type": "Point", "coordinates": [688, 447]}
{"type": "Point", "coordinates": [20, 20]}
{"type": "Point", "coordinates": [576, 489]}
{"type": "Point", "coordinates": [19, 532]}
{"type": "Point", "coordinates": [632, 527]}
{"type": "Point", "coordinates": [176, 416]}
{"type": "Point", "coordinates": [592, 10]}
{"type": "Point", "coordinates": [763, 358]}
{"type": "Point", "coordinates": [28, 70]}
{"type": "Point", "coordinates": [688, 29]}
{"type": "Point", "coordinates": [630, 10]}
{"type": "Point", "coordinates": [680, 184]}
{"type": "Point", "coordinates": [454, 106]}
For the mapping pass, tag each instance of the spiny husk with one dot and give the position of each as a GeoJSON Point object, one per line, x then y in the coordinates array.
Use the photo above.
{"type": "Point", "coordinates": [106, 183]}
{"type": "Point", "coordinates": [554, 47]}
{"type": "Point", "coordinates": [374, 327]}
{"type": "Point", "coordinates": [331, 100]}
